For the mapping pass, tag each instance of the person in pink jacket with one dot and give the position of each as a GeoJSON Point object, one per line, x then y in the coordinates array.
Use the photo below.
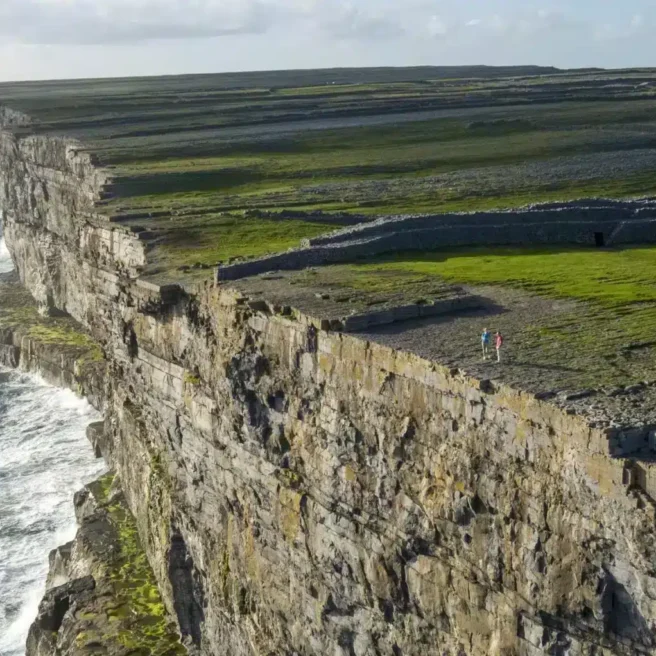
{"type": "Point", "coordinates": [498, 343]}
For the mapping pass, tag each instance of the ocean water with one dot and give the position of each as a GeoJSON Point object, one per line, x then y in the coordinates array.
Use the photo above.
{"type": "Point", "coordinates": [6, 264]}
{"type": "Point", "coordinates": [44, 459]}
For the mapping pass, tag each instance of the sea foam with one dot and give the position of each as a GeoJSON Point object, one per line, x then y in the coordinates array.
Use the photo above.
{"type": "Point", "coordinates": [44, 459]}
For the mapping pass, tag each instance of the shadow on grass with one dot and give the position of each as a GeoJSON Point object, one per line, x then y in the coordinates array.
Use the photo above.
{"type": "Point", "coordinates": [187, 182]}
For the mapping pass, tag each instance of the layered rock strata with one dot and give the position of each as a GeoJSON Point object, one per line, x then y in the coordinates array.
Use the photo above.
{"type": "Point", "coordinates": [50, 186]}
{"type": "Point", "coordinates": [57, 349]}
{"type": "Point", "coordinates": [301, 491]}
{"type": "Point", "coordinates": [101, 594]}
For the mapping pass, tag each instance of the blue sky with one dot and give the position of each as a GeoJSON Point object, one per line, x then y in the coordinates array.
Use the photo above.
{"type": "Point", "coordinates": [43, 39]}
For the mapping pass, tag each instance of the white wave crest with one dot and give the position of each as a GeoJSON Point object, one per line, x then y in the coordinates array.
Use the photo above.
{"type": "Point", "coordinates": [45, 460]}
{"type": "Point", "coordinates": [6, 264]}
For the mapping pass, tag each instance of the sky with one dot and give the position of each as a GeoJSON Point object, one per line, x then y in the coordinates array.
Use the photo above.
{"type": "Point", "coordinates": [50, 39]}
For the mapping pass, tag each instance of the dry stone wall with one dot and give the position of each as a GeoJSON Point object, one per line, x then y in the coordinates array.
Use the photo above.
{"type": "Point", "coordinates": [603, 223]}
{"type": "Point", "coordinates": [601, 212]}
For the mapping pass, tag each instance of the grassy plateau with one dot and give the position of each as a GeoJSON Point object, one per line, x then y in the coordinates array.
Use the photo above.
{"type": "Point", "coordinates": [225, 167]}
{"type": "Point", "coordinates": [191, 155]}
{"type": "Point", "coordinates": [600, 330]}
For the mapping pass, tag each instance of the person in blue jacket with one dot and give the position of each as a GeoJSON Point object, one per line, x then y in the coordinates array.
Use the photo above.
{"type": "Point", "coordinates": [486, 338]}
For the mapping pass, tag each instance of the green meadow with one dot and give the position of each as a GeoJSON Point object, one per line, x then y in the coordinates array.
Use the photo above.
{"type": "Point", "coordinates": [191, 155]}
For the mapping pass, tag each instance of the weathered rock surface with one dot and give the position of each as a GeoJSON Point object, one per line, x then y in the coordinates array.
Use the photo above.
{"type": "Point", "coordinates": [306, 492]}
{"type": "Point", "coordinates": [57, 349]}
{"type": "Point", "coordinates": [101, 596]}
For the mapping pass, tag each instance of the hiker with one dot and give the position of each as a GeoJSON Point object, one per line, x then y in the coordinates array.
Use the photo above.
{"type": "Point", "coordinates": [485, 342]}
{"type": "Point", "coordinates": [498, 343]}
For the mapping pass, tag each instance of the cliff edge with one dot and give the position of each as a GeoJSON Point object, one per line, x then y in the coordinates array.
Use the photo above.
{"type": "Point", "coordinates": [301, 490]}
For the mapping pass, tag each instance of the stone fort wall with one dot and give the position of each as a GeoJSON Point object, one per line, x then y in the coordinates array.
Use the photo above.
{"type": "Point", "coordinates": [591, 223]}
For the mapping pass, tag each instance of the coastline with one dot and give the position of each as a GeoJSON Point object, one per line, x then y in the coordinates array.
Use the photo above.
{"type": "Point", "coordinates": [102, 578]}
{"type": "Point", "coordinates": [45, 461]}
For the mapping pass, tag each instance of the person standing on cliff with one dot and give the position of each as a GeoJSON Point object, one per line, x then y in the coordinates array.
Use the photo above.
{"type": "Point", "coordinates": [498, 343]}
{"type": "Point", "coordinates": [485, 342]}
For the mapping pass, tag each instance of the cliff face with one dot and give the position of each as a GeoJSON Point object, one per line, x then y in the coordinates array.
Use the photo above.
{"type": "Point", "coordinates": [102, 597]}
{"type": "Point", "coordinates": [306, 492]}
{"type": "Point", "coordinates": [47, 194]}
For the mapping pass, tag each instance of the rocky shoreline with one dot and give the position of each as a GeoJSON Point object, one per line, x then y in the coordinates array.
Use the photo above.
{"type": "Point", "coordinates": [101, 595]}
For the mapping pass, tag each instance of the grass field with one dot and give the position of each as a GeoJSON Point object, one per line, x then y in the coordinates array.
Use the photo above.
{"type": "Point", "coordinates": [200, 151]}
{"type": "Point", "coordinates": [228, 237]}
{"type": "Point", "coordinates": [613, 279]}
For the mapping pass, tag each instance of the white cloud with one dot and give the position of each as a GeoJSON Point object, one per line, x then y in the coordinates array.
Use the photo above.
{"type": "Point", "coordinates": [637, 26]}
{"type": "Point", "coordinates": [499, 23]}
{"type": "Point", "coordinates": [437, 26]}
{"type": "Point", "coordinates": [120, 21]}
{"type": "Point", "coordinates": [525, 24]}
{"type": "Point", "coordinates": [106, 21]}
{"type": "Point", "coordinates": [346, 21]}
{"type": "Point", "coordinates": [130, 36]}
{"type": "Point", "coordinates": [134, 21]}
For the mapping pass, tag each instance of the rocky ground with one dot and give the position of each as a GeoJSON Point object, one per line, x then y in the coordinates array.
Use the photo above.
{"type": "Point", "coordinates": [327, 297]}
{"type": "Point", "coordinates": [616, 390]}
{"type": "Point", "coordinates": [500, 180]}
{"type": "Point", "coordinates": [102, 597]}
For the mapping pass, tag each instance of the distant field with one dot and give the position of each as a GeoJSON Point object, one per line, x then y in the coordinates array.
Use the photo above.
{"type": "Point", "coordinates": [426, 166]}
{"type": "Point", "coordinates": [198, 151]}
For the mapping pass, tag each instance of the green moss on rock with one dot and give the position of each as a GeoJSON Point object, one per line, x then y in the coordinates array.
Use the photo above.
{"type": "Point", "coordinates": [191, 379]}
{"type": "Point", "coordinates": [128, 610]}
{"type": "Point", "coordinates": [19, 316]}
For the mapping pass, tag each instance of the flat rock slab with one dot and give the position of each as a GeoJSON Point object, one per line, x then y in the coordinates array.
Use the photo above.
{"type": "Point", "coordinates": [612, 388]}
{"type": "Point", "coordinates": [328, 294]}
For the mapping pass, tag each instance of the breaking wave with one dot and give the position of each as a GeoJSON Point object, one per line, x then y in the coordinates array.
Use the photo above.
{"type": "Point", "coordinates": [6, 264]}
{"type": "Point", "coordinates": [44, 459]}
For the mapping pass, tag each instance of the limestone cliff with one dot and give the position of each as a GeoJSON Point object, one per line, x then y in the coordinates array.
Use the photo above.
{"type": "Point", "coordinates": [300, 491]}
{"type": "Point", "coordinates": [50, 186]}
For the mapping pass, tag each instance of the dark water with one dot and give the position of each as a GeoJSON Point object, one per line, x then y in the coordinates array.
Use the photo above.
{"type": "Point", "coordinates": [44, 459]}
